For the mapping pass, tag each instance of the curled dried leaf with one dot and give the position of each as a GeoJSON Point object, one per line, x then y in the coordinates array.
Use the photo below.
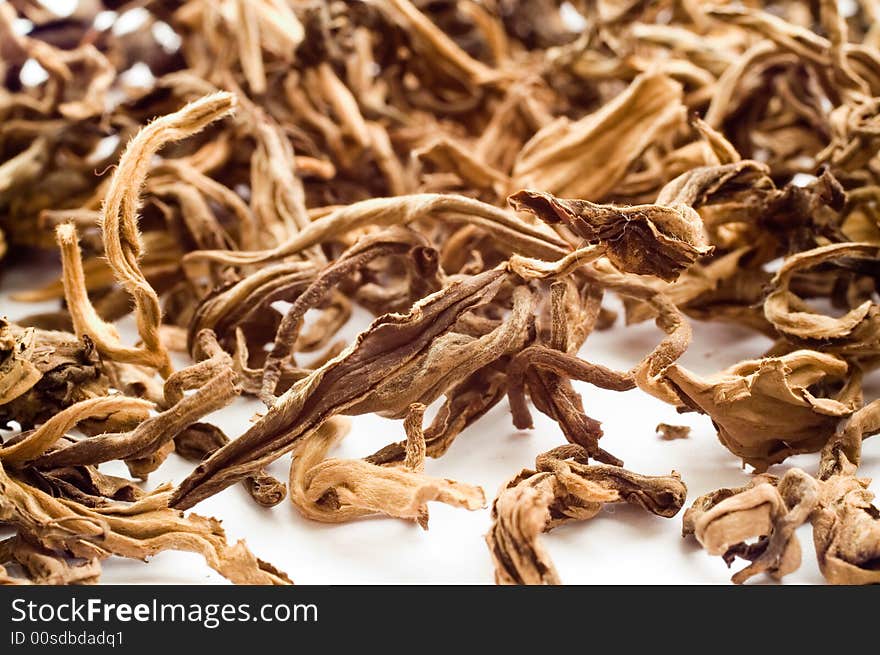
{"type": "Point", "coordinates": [422, 279]}
{"type": "Point", "coordinates": [565, 488]}
{"type": "Point", "coordinates": [145, 447]}
{"type": "Point", "coordinates": [855, 332]}
{"type": "Point", "coordinates": [122, 240]}
{"type": "Point", "coordinates": [767, 409]}
{"type": "Point", "coordinates": [398, 360]}
{"type": "Point", "coordinates": [509, 231]}
{"type": "Point", "coordinates": [136, 530]}
{"type": "Point", "coordinates": [31, 445]}
{"type": "Point", "coordinates": [843, 452]}
{"type": "Point", "coordinates": [767, 510]}
{"type": "Point", "coordinates": [45, 371]}
{"type": "Point", "coordinates": [654, 240]}
{"type": "Point", "coordinates": [846, 532]}
{"type": "Point", "coordinates": [337, 490]}
{"type": "Point", "coordinates": [587, 158]}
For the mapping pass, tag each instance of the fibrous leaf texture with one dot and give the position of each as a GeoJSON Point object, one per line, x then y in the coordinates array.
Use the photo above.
{"type": "Point", "coordinates": [232, 186]}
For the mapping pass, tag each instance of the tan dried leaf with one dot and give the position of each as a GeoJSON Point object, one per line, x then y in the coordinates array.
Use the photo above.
{"type": "Point", "coordinates": [337, 490]}
{"type": "Point", "coordinates": [139, 530]}
{"type": "Point", "coordinates": [565, 488]}
{"type": "Point", "coordinates": [767, 409]}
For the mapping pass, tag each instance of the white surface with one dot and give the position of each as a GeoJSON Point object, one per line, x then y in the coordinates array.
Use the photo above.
{"type": "Point", "coordinates": [622, 545]}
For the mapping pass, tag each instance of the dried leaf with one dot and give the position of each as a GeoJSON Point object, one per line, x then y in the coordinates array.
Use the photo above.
{"type": "Point", "coordinates": [643, 239]}
{"type": "Point", "coordinates": [767, 409]}
{"type": "Point", "coordinates": [336, 490]}
{"type": "Point", "coordinates": [138, 530]}
{"type": "Point", "coordinates": [398, 360]}
{"type": "Point", "coordinates": [564, 488]}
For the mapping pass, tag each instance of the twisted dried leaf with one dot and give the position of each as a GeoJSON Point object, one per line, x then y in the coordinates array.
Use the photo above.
{"type": "Point", "coordinates": [767, 409]}
{"type": "Point", "coordinates": [337, 490]}
{"type": "Point", "coordinates": [565, 488]}
{"type": "Point", "coordinates": [137, 530]}
{"type": "Point", "coordinates": [398, 360]}
{"type": "Point", "coordinates": [645, 239]}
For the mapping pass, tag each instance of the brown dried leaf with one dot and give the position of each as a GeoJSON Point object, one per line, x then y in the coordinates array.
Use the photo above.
{"type": "Point", "coordinates": [645, 239]}
{"type": "Point", "coordinates": [588, 158]}
{"type": "Point", "coordinates": [398, 360]}
{"type": "Point", "coordinates": [766, 509]}
{"type": "Point", "coordinates": [565, 488]}
{"type": "Point", "coordinates": [139, 530]}
{"type": "Point", "coordinates": [767, 409]}
{"type": "Point", "coordinates": [43, 372]}
{"type": "Point", "coordinates": [122, 239]}
{"type": "Point", "coordinates": [337, 490]}
{"type": "Point", "coordinates": [846, 532]}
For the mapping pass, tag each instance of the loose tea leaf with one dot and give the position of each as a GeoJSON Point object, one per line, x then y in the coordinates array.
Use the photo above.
{"type": "Point", "coordinates": [643, 239]}
{"type": "Point", "coordinates": [398, 360]}
{"type": "Point", "coordinates": [764, 410]}
{"type": "Point", "coordinates": [489, 181]}
{"type": "Point", "coordinates": [335, 490]}
{"type": "Point", "coordinates": [838, 504]}
{"type": "Point", "coordinates": [67, 529]}
{"type": "Point", "coordinates": [769, 511]}
{"type": "Point", "coordinates": [44, 372]}
{"type": "Point", "coordinates": [564, 488]}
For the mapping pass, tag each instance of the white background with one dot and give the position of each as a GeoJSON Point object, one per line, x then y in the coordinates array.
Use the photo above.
{"type": "Point", "coordinates": [622, 545]}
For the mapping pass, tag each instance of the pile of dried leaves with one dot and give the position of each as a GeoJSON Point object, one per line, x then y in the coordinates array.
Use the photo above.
{"type": "Point", "coordinates": [478, 174]}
